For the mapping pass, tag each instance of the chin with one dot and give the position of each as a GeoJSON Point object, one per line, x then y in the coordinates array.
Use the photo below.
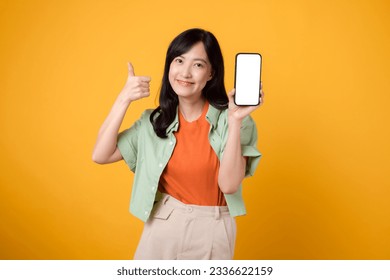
{"type": "Point", "coordinates": [183, 92]}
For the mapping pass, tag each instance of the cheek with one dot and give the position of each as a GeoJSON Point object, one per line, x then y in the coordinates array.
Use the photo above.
{"type": "Point", "coordinates": [204, 77]}
{"type": "Point", "coordinates": [171, 75]}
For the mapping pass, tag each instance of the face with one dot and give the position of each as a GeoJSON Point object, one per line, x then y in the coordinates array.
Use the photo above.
{"type": "Point", "coordinates": [189, 72]}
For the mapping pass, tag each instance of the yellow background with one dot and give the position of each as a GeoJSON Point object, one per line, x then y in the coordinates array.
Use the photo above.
{"type": "Point", "coordinates": [322, 189]}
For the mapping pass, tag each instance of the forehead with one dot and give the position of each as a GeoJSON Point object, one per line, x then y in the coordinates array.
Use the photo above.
{"type": "Point", "coordinates": [196, 52]}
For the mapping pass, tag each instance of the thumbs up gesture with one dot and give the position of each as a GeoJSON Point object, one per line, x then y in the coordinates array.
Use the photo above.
{"type": "Point", "coordinates": [136, 87]}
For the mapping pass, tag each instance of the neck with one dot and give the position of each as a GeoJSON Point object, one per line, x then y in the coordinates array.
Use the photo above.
{"type": "Point", "coordinates": [191, 110]}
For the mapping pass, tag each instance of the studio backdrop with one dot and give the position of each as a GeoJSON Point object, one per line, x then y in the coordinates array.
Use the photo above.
{"type": "Point", "coordinates": [322, 188]}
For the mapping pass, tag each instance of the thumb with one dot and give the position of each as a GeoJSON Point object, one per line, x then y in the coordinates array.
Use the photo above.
{"type": "Point", "coordinates": [130, 69]}
{"type": "Point", "coordinates": [231, 94]}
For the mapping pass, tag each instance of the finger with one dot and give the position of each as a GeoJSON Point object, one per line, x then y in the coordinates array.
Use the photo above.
{"type": "Point", "coordinates": [145, 93]}
{"type": "Point", "coordinates": [144, 88]}
{"type": "Point", "coordinates": [231, 94]}
{"type": "Point", "coordinates": [130, 69]}
{"type": "Point", "coordinates": [142, 80]}
{"type": "Point", "coordinates": [261, 96]}
{"type": "Point", "coordinates": [144, 85]}
{"type": "Point", "coordinates": [142, 92]}
{"type": "Point", "coordinates": [145, 79]}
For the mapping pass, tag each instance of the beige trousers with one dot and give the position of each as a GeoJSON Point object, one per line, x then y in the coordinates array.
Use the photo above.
{"type": "Point", "coordinates": [187, 232]}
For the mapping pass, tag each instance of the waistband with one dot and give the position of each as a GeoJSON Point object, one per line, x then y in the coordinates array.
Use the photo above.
{"type": "Point", "coordinates": [197, 210]}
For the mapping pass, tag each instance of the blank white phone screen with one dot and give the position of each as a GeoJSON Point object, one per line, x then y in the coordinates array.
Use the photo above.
{"type": "Point", "coordinates": [247, 78]}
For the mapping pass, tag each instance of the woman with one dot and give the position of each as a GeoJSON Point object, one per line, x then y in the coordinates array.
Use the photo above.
{"type": "Point", "coordinates": [189, 155]}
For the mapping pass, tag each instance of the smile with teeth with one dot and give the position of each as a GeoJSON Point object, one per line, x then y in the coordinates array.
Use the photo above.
{"type": "Point", "coordinates": [184, 83]}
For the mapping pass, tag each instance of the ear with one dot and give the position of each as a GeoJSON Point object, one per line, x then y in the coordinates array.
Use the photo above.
{"type": "Point", "coordinates": [211, 76]}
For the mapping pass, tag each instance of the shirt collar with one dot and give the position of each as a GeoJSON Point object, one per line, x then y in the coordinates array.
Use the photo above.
{"type": "Point", "coordinates": [212, 116]}
{"type": "Point", "coordinates": [174, 126]}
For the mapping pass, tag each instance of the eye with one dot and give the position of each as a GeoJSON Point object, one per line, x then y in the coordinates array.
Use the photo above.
{"type": "Point", "coordinates": [179, 60]}
{"type": "Point", "coordinates": [198, 65]}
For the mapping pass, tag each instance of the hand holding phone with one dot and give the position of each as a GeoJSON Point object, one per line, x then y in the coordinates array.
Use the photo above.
{"type": "Point", "coordinates": [247, 79]}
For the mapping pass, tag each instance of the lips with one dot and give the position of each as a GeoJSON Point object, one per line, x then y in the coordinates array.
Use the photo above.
{"type": "Point", "coordinates": [184, 83]}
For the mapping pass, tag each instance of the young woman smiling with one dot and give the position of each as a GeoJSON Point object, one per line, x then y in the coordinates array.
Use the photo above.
{"type": "Point", "coordinates": [189, 155]}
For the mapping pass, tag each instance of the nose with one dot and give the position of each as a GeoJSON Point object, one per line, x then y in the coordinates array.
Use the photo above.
{"type": "Point", "coordinates": [186, 71]}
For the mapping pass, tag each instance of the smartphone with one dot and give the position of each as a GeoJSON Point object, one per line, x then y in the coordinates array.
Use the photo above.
{"type": "Point", "coordinates": [247, 79]}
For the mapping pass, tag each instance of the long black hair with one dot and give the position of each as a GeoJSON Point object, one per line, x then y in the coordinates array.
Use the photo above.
{"type": "Point", "coordinates": [214, 91]}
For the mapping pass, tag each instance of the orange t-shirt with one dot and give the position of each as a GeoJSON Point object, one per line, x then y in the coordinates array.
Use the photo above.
{"type": "Point", "coordinates": [191, 174]}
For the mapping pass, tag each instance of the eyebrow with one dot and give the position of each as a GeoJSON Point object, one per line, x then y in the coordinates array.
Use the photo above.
{"type": "Point", "coordinates": [195, 59]}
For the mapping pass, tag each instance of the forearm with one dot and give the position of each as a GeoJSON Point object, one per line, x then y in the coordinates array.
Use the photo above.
{"type": "Point", "coordinates": [233, 164]}
{"type": "Point", "coordinates": [106, 143]}
{"type": "Point", "coordinates": [136, 87]}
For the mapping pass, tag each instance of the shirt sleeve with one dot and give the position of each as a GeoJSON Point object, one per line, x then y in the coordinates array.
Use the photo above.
{"type": "Point", "coordinates": [128, 144]}
{"type": "Point", "coordinates": [249, 145]}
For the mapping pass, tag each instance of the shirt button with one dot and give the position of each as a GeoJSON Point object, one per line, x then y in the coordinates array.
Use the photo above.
{"type": "Point", "coordinates": [189, 209]}
{"type": "Point", "coordinates": [146, 213]}
{"type": "Point", "coordinates": [171, 143]}
{"type": "Point", "coordinates": [160, 165]}
{"type": "Point", "coordinates": [153, 188]}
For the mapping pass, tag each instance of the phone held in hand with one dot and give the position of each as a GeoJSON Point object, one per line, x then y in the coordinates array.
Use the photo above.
{"type": "Point", "coordinates": [247, 79]}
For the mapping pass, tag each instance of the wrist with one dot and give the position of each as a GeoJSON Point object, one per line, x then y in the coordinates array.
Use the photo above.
{"type": "Point", "coordinates": [236, 114]}
{"type": "Point", "coordinates": [234, 122]}
{"type": "Point", "coordinates": [123, 100]}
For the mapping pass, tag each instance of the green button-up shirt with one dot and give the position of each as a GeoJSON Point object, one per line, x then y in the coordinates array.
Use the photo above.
{"type": "Point", "coordinates": [146, 154]}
